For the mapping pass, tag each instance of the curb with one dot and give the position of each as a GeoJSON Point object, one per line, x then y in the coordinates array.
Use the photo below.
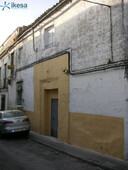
{"type": "Point", "coordinates": [90, 157]}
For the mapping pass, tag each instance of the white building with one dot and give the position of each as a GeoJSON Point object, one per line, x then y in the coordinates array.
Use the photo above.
{"type": "Point", "coordinates": [71, 64]}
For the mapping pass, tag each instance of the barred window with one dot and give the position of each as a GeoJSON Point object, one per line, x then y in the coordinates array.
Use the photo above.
{"type": "Point", "coordinates": [20, 54]}
{"type": "Point", "coordinates": [19, 89]}
{"type": "Point", "coordinates": [12, 63]}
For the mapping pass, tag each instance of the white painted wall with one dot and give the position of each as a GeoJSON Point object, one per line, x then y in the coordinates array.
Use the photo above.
{"type": "Point", "coordinates": [84, 27]}
{"type": "Point", "coordinates": [28, 90]}
{"type": "Point", "coordinates": [100, 93]}
{"type": "Point", "coordinates": [27, 77]}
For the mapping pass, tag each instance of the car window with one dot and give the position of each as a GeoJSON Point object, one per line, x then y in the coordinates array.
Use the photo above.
{"type": "Point", "coordinates": [13, 114]}
{"type": "Point", "coordinates": [0, 115]}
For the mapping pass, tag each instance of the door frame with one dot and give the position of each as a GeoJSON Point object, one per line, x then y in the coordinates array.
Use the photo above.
{"type": "Point", "coordinates": [49, 95]}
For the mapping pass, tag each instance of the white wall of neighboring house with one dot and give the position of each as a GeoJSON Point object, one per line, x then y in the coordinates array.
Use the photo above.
{"type": "Point", "coordinates": [27, 96]}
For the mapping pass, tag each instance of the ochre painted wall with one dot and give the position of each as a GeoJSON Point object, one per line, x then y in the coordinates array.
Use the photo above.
{"type": "Point", "coordinates": [99, 133]}
{"type": "Point", "coordinates": [50, 76]}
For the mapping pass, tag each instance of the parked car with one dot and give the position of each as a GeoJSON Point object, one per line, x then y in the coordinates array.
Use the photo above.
{"type": "Point", "coordinates": [13, 121]}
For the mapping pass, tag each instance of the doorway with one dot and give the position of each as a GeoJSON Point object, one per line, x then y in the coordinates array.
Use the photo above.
{"type": "Point", "coordinates": [51, 112]}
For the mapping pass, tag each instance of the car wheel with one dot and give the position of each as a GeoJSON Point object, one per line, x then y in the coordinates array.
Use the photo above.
{"type": "Point", "coordinates": [1, 135]}
{"type": "Point", "coordinates": [26, 134]}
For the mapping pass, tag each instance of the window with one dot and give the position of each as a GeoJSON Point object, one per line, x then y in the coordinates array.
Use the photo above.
{"type": "Point", "coordinates": [12, 63]}
{"type": "Point", "coordinates": [20, 54]}
{"type": "Point", "coordinates": [13, 114]}
{"type": "Point", "coordinates": [49, 37]}
{"type": "Point", "coordinates": [3, 102]}
{"type": "Point", "coordinates": [19, 90]}
{"type": "Point", "coordinates": [5, 76]}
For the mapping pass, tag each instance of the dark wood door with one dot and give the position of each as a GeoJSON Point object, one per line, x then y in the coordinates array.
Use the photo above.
{"type": "Point", "coordinates": [54, 117]}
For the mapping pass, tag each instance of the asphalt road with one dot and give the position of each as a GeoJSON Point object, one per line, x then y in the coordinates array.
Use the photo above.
{"type": "Point", "coordinates": [18, 153]}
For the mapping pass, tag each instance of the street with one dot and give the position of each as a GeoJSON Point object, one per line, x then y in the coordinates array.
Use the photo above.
{"type": "Point", "coordinates": [18, 153]}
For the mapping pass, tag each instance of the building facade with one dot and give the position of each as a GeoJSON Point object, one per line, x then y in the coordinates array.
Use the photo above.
{"type": "Point", "coordinates": [68, 71]}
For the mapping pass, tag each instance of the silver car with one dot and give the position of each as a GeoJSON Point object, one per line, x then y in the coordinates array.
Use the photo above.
{"type": "Point", "coordinates": [13, 121]}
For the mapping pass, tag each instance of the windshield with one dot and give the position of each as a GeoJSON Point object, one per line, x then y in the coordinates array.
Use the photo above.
{"type": "Point", "coordinates": [13, 114]}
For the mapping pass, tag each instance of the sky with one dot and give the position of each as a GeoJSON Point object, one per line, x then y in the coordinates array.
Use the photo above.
{"type": "Point", "coordinates": [12, 18]}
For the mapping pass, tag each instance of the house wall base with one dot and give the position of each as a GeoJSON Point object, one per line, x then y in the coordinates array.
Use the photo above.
{"type": "Point", "coordinates": [102, 134]}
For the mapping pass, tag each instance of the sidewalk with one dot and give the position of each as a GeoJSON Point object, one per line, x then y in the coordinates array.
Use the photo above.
{"type": "Point", "coordinates": [90, 157]}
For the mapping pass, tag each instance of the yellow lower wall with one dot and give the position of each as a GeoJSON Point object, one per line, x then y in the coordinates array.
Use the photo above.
{"type": "Point", "coordinates": [99, 133]}
{"type": "Point", "coordinates": [102, 134]}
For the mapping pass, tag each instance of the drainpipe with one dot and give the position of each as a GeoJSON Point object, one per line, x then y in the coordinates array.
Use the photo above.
{"type": "Point", "coordinates": [124, 33]}
{"type": "Point", "coordinates": [123, 16]}
{"type": "Point", "coordinates": [34, 46]}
